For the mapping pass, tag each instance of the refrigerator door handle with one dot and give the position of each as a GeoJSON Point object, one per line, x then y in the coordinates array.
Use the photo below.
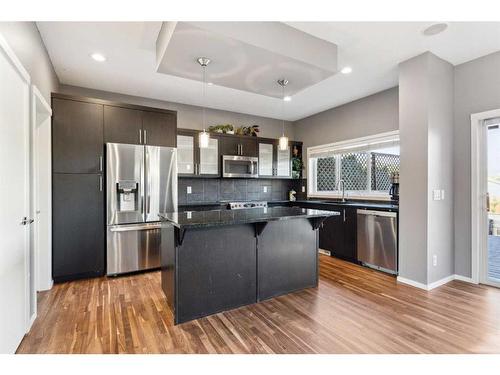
{"type": "Point", "coordinates": [148, 181]}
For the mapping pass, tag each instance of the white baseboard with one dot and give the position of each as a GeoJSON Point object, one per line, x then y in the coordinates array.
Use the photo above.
{"type": "Point", "coordinates": [435, 284]}
{"type": "Point", "coordinates": [416, 284]}
{"type": "Point", "coordinates": [464, 278]}
{"type": "Point", "coordinates": [443, 281]}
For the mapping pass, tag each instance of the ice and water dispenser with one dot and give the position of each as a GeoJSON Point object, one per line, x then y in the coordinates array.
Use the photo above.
{"type": "Point", "coordinates": [128, 195]}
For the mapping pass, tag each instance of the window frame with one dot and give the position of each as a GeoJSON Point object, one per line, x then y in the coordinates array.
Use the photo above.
{"type": "Point", "coordinates": [336, 149]}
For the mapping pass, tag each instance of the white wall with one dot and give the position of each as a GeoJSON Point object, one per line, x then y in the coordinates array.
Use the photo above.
{"type": "Point", "coordinates": [477, 89]}
{"type": "Point", "coordinates": [27, 44]}
{"type": "Point", "coordinates": [426, 133]}
{"type": "Point", "coordinates": [374, 114]}
{"type": "Point", "coordinates": [413, 210]}
{"type": "Point", "coordinates": [189, 116]}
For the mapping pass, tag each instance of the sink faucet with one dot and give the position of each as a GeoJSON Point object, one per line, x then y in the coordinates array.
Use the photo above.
{"type": "Point", "coordinates": [342, 182]}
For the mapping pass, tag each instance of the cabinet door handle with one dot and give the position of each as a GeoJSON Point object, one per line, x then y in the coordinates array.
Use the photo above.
{"type": "Point", "coordinates": [140, 136]}
{"type": "Point", "coordinates": [145, 137]}
{"type": "Point", "coordinates": [100, 163]}
{"type": "Point", "coordinates": [344, 214]}
{"type": "Point", "coordinates": [100, 183]}
{"type": "Point", "coordinates": [241, 150]}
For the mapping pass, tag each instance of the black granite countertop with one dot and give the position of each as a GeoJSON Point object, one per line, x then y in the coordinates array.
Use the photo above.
{"type": "Point", "coordinates": [375, 205]}
{"type": "Point", "coordinates": [197, 219]}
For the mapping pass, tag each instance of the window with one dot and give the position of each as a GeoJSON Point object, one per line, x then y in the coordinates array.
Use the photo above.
{"type": "Point", "coordinates": [365, 165]}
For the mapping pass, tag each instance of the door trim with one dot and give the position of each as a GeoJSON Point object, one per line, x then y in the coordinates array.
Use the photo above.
{"type": "Point", "coordinates": [40, 113]}
{"type": "Point", "coordinates": [478, 188]}
{"type": "Point", "coordinates": [25, 77]}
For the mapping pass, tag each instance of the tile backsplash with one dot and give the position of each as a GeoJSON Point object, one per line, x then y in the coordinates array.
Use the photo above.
{"type": "Point", "coordinates": [208, 190]}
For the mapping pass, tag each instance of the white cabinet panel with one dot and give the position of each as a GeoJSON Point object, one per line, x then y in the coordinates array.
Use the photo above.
{"type": "Point", "coordinates": [283, 163]}
{"type": "Point", "coordinates": [209, 162]}
{"type": "Point", "coordinates": [265, 159]}
{"type": "Point", "coordinates": [185, 154]}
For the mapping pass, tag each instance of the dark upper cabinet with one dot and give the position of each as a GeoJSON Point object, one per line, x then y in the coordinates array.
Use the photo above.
{"type": "Point", "coordinates": [159, 129]}
{"type": "Point", "coordinates": [77, 136]}
{"type": "Point", "coordinates": [134, 126]}
{"type": "Point", "coordinates": [194, 161]}
{"type": "Point", "coordinates": [122, 125]}
{"type": "Point", "coordinates": [272, 161]}
{"type": "Point", "coordinates": [338, 234]}
{"type": "Point", "coordinates": [248, 146]}
{"type": "Point", "coordinates": [239, 145]}
{"type": "Point", "coordinates": [230, 146]}
{"type": "Point", "coordinates": [78, 226]}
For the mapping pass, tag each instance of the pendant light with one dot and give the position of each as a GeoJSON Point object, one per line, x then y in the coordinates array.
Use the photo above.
{"type": "Point", "coordinates": [204, 137]}
{"type": "Point", "coordinates": [283, 141]}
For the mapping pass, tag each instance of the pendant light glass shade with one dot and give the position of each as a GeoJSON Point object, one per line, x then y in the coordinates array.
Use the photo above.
{"type": "Point", "coordinates": [283, 141]}
{"type": "Point", "coordinates": [203, 137]}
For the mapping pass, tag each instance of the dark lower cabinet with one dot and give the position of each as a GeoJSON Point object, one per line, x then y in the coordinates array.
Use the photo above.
{"type": "Point", "coordinates": [77, 226]}
{"type": "Point", "coordinates": [338, 234]}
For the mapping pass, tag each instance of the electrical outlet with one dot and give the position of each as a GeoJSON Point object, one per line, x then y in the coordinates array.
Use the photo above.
{"type": "Point", "coordinates": [265, 189]}
{"type": "Point", "coordinates": [434, 260]}
{"type": "Point", "coordinates": [303, 189]}
{"type": "Point", "coordinates": [189, 190]}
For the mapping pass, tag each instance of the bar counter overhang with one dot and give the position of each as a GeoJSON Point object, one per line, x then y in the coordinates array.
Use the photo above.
{"type": "Point", "coordinates": [212, 261]}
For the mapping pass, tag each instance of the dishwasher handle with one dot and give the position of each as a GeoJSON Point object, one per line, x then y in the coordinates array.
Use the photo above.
{"type": "Point", "coordinates": [376, 213]}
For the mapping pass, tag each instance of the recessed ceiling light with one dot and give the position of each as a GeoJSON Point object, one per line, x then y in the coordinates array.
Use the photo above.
{"type": "Point", "coordinates": [98, 57]}
{"type": "Point", "coordinates": [435, 29]}
{"type": "Point", "coordinates": [287, 98]}
{"type": "Point", "coordinates": [346, 70]}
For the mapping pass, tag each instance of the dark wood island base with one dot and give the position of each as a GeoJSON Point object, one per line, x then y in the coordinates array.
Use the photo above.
{"type": "Point", "coordinates": [212, 265]}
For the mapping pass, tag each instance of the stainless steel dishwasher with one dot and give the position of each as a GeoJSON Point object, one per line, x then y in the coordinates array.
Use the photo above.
{"type": "Point", "coordinates": [377, 240]}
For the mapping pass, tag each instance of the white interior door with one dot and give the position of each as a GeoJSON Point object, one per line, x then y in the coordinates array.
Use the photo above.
{"type": "Point", "coordinates": [14, 199]}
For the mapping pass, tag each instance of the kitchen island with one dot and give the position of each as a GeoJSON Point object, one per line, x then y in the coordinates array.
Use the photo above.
{"type": "Point", "coordinates": [221, 259]}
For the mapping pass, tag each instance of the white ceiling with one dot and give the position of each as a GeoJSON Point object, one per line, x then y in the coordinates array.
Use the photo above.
{"type": "Point", "coordinates": [243, 58]}
{"type": "Point", "coordinates": [372, 49]}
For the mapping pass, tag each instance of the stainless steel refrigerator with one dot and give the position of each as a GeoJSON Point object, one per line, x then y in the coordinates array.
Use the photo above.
{"type": "Point", "coordinates": [141, 183]}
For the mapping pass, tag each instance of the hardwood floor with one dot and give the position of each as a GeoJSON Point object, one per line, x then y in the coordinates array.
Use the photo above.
{"type": "Point", "coordinates": [354, 310]}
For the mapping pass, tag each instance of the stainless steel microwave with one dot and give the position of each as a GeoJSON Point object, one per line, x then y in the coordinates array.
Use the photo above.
{"type": "Point", "coordinates": [240, 166]}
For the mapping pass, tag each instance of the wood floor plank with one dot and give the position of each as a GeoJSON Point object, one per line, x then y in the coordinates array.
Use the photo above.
{"type": "Point", "coordinates": [353, 310]}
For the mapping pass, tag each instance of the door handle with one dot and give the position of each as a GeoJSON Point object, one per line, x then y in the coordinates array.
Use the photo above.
{"type": "Point", "coordinates": [344, 214]}
{"type": "Point", "coordinates": [145, 136]}
{"type": "Point", "coordinates": [100, 163]}
{"type": "Point", "coordinates": [488, 201]}
{"type": "Point", "coordinates": [241, 150]}
{"type": "Point", "coordinates": [100, 183]}
{"type": "Point", "coordinates": [26, 221]}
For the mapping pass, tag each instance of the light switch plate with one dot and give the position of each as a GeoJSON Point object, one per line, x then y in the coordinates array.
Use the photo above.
{"type": "Point", "coordinates": [436, 194]}
{"type": "Point", "coordinates": [265, 189]}
{"type": "Point", "coordinates": [189, 190]}
{"type": "Point", "coordinates": [442, 194]}
{"type": "Point", "coordinates": [303, 189]}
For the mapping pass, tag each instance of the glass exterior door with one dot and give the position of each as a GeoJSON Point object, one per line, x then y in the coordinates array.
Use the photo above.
{"type": "Point", "coordinates": [493, 202]}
